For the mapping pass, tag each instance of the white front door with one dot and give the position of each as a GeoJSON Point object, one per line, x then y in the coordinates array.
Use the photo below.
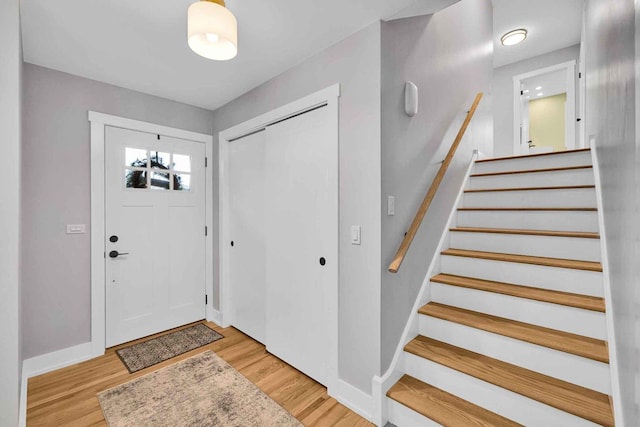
{"type": "Point", "coordinates": [155, 233]}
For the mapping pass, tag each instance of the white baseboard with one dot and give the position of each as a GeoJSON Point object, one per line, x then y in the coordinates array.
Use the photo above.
{"type": "Point", "coordinates": [47, 363]}
{"type": "Point", "coordinates": [215, 317]}
{"type": "Point", "coordinates": [354, 398]}
{"type": "Point", "coordinates": [56, 360]}
{"type": "Point", "coordinates": [22, 413]}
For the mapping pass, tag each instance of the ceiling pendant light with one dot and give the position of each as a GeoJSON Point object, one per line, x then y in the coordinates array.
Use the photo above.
{"type": "Point", "coordinates": [514, 37]}
{"type": "Point", "coordinates": [212, 30]}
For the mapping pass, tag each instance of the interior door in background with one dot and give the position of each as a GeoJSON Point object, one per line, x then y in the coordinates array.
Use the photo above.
{"type": "Point", "coordinates": [155, 233]}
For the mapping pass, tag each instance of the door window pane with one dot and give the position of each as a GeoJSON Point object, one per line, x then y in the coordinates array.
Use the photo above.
{"type": "Point", "coordinates": [160, 160]}
{"type": "Point", "coordinates": [160, 181]}
{"type": "Point", "coordinates": [182, 182]}
{"type": "Point", "coordinates": [135, 157]}
{"type": "Point", "coordinates": [135, 178]}
{"type": "Point", "coordinates": [181, 163]}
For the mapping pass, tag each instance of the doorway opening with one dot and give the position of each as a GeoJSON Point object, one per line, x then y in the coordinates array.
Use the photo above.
{"type": "Point", "coordinates": [545, 110]}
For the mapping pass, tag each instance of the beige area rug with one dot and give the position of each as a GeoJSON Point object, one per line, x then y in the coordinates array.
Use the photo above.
{"type": "Point", "coordinates": [203, 390]}
{"type": "Point", "coordinates": [156, 350]}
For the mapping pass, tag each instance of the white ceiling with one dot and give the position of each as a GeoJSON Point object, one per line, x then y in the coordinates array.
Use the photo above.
{"type": "Point", "coordinates": [552, 25]}
{"type": "Point", "coordinates": [142, 44]}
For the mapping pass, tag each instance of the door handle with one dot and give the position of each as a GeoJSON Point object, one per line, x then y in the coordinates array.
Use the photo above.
{"type": "Point", "coordinates": [115, 254]}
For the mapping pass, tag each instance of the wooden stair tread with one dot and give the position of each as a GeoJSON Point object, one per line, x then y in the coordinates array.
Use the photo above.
{"type": "Point", "coordinates": [579, 345]}
{"type": "Point", "coordinates": [529, 209]}
{"type": "Point", "coordinates": [563, 187]}
{"type": "Point", "coordinates": [442, 407]}
{"type": "Point", "coordinates": [516, 172]}
{"type": "Point", "coordinates": [585, 302]}
{"type": "Point", "coordinates": [527, 259]}
{"type": "Point", "coordinates": [571, 398]}
{"type": "Point", "coordinates": [526, 156]}
{"type": "Point", "coordinates": [579, 234]}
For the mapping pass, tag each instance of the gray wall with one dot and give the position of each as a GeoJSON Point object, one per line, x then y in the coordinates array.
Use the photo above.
{"type": "Point", "coordinates": [56, 146]}
{"type": "Point", "coordinates": [502, 89]}
{"type": "Point", "coordinates": [10, 88]}
{"type": "Point", "coordinates": [611, 117]}
{"type": "Point", "coordinates": [448, 71]}
{"type": "Point", "coordinates": [355, 64]}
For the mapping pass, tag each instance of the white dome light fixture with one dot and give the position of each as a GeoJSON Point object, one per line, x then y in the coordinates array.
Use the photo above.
{"type": "Point", "coordinates": [212, 30]}
{"type": "Point", "coordinates": [514, 37]}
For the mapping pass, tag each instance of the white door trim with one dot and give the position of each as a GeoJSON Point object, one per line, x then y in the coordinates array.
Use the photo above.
{"type": "Point", "coordinates": [330, 97]}
{"type": "Point", "coordinates": [570, 110]}
{"type": "Point", "coordinates": [98, 271]}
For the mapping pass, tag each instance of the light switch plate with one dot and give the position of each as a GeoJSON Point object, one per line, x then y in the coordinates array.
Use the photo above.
{"type": "Point", "coordinates": [76, 228]}
{"type": "Point", "coordinates": [391, 205]}
{"type": "Point", "coordinates": [355, 234]}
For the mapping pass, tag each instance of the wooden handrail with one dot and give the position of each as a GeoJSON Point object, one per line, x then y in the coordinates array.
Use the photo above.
{"type": "Point", "coordinates": [428, 198]}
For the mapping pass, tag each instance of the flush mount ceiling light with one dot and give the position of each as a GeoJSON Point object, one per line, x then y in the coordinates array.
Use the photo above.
{"type": "Point", "coordinates": [212, 30]}
{"type": "Point", "coordinates": [514, 37]}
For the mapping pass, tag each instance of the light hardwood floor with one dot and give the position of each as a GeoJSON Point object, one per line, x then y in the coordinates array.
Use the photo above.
{"type": "Point", "coordinates": [68, 396]}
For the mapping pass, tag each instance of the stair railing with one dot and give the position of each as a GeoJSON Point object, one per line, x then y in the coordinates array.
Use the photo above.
{"type": "Point", "coordinates": [433, 189]}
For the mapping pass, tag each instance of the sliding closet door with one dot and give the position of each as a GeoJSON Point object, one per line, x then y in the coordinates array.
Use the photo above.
{"type": "Point", "coordinates": [247, 232]}
{"type": "Point", "coordinates": [301, 218]}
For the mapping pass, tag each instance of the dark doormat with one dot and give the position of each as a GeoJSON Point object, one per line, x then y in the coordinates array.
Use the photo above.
{"type": "Point", "coordinates": [155, 350]}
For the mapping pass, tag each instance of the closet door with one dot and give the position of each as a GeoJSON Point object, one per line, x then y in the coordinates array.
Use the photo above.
{"type": "Point", "coordinates": [247, 232]}
{"type": "Point", "coordinates": [301, 237]}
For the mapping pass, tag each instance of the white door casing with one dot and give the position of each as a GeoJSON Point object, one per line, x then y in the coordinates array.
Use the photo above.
{"type": "Point", "coordinates": [158, 282]}
{"type": "Point", "coordinates": [329, 99]}
{"type": "Point", "coordinates": [570, 110]}
{"type": "Point", "coordinates": [524, 125]}
{"type": "Point", "coordinates": [99, 123]}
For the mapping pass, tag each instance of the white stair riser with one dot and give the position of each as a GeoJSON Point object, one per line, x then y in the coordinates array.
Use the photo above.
{"type": "Point", "coordinates": [534, 179]}
{"type": "Point", "coordinates": [569, 319]}
{"type": "Point", "coordinates": [554, 278]}
{"type": "Point", "coordinates": [495, 399]}
{"type": "Point", "coordinates": [519, 244]}
{"type": "Point", "coordinates": [531, 220]}
{"type": "Point", "coordinates": [558, 364]}
{"type": "Point", "coordinates": [402, 416]}
{"type": "Point", "coordinates": [581, 158]}
{"type": "Point", "coordinates": [570, 198]}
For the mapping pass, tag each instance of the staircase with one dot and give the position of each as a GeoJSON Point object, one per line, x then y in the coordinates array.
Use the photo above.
{"type": "Point", "coordinates": [514, 329]}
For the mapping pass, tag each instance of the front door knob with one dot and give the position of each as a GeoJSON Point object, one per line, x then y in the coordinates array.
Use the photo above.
{"type": "Point", "coordinates": [115, 254]}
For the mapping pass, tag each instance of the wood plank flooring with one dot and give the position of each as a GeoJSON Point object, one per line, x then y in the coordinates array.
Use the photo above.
{"type": "Point", "coordinates": [67, 397]}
